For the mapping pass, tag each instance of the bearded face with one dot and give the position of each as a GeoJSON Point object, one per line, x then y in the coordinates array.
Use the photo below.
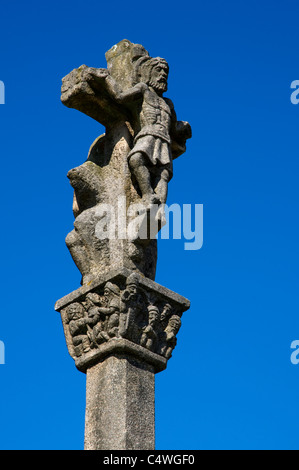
{"type": "Point", "coordinates": [175, 324]}
{"type": "Point", "coordinates": [158, 77]}
{"type": "Point", "coordinates": [75, 311]}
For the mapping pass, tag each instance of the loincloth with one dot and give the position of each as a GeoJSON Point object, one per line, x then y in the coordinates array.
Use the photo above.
{"type": "Point", "coordinates": [157, 151]}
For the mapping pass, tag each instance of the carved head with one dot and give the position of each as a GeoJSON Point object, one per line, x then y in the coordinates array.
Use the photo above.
{"type": "Point", "coordinates": [153, 314]}
{"type": "Point", "coordinates": [174, 323]}
{"type": "Point", "coordinates": [75, 311]}
{"type": "Point", "coordinates": [159, 75]}
{"type": "Point", "coordinates": [110, 289]}
{"type": "Point", "coordinates": [166, 311]}
{"type": "Point", "coordinates": [92, 298]}
{"type": "Point", "coordinates": [132, 284]}
{"type": "Point", "coordinates": [154, 72]}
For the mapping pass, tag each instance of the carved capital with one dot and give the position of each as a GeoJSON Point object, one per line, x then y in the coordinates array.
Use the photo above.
{"type": "Point", "coordinates": [122, 312]}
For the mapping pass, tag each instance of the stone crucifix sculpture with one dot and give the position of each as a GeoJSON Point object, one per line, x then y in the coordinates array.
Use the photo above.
{"type": "Point", "coordinates": [154, 124]}
{"type": "Point", "coordinates": [121, 326]}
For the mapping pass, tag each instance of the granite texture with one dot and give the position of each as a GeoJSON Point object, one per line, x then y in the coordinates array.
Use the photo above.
{"type": "Point", "coordinates": [120, 405]}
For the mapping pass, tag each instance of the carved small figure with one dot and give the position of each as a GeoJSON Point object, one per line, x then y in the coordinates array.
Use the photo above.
{"type": "Point", "coordinates": [94, 320]}
{"type": "Point", "coordinates": [166, 312]}
{"type": "Point", "coordinates": [149, 335]}
{"type": "Point", "coordinates": [92, 299]}
{"type": "Point", "coordinates": [131, 306]}
{"type": "Point", "coordinates": [78, 328]}
{"type": "Point", "coordinates": [131, 291]}
{"type": "Point", "coordinates": [170, 333]}
{"type": "Point", "coordinates": [108, 328]}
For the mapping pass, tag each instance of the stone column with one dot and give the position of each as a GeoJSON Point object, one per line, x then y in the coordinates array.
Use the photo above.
{"type": "Point", "coordinates": [120, 405]}
{"type": "Point", "coordinates": [121, 357]}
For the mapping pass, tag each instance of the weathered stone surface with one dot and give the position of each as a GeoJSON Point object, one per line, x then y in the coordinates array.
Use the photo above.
{"type": "Point", "coordinates": [120, 405]}
{"type": "Point", "coordinates": [121, 60]}
{"type": "Point", "coordinates": [77, 92]}
{"type": "Point", "coordinates": [105, 179]}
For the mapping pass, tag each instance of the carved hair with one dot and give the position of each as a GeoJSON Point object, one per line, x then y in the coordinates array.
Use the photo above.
{"type": "Point", "coordinates": [174, 320]}
{"type": "Point", "coordinates": [144, 66]}
{"type": "Point", "coordinates": [152, 309]}
{"type": "Point", "coordinates": [132, 280]}
{"type": "Point", "coordinates": [112, 288]}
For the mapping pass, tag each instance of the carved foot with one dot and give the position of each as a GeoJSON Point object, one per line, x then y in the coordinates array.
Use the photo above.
{"type": "Point", "coordinates": [160, 216]}
{"type": "Point", "coordinates": [149, 200]}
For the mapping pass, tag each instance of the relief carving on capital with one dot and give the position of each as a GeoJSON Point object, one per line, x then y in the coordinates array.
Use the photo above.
{"type": "Point", "coordinates": [130, 311]}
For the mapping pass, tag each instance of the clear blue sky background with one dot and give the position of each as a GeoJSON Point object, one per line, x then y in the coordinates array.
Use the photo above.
{"type": "Point", "coordinates": [230, 383]}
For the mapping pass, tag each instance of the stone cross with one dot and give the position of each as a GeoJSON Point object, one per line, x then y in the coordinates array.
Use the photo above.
{"type": "Point", "coordinates": [120, 325]}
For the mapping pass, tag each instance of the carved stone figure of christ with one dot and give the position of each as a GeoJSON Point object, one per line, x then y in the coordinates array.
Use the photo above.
{"type": "Point", "coordinates": [154, 124]}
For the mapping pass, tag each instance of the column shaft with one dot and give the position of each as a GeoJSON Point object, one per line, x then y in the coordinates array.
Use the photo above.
{"type": "Point", "coordinates": [120, 405]}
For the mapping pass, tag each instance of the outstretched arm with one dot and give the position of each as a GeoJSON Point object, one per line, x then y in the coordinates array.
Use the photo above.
{"type": "Point", "coordinates": [107, 310]}
{"type": "Point", "coordinates": [122, 97]}
{"type": "Point", "coordinates": [100, 78]}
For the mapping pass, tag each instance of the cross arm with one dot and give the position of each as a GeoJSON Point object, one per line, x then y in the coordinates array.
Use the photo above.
{"type": "Point", "coordinates": [87, 90]}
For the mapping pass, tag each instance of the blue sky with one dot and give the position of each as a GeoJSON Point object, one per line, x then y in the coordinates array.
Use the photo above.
{"type": "Point", "coordinates": [230, 383]}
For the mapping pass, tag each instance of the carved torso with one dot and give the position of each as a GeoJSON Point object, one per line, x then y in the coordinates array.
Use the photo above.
{"type": "Point", "coordinates": [154, 116]}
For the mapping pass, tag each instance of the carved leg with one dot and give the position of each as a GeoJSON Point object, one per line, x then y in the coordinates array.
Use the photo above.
{"type": "Point", "coordinates": [139, 168]}
{"type": "Point", "coordinates": [162, 190]}
{"type": "Point", "coordinates": [162, 185]}
{"type": "Point", "coordinates": [78, 252]}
